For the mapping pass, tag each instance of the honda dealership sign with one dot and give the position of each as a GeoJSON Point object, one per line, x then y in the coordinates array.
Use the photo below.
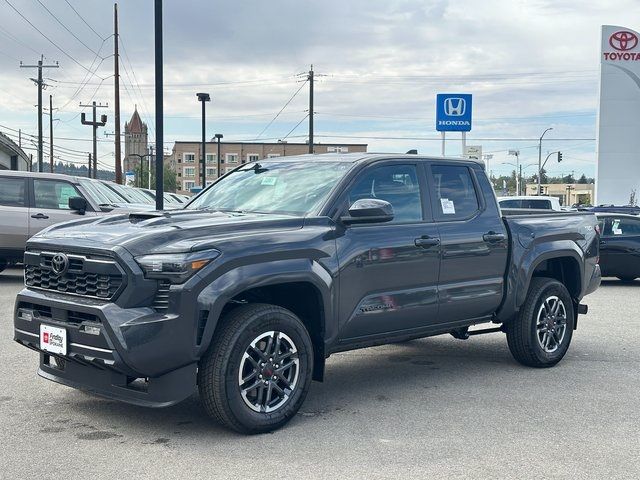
{"type": "Point", "coordinates": [453, 112]}
{"type": "Point", "coordinates": [618, 144]}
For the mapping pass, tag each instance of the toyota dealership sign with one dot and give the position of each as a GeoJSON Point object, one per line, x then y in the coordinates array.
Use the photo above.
{"type": "Point", "coordinates": [618, 144]}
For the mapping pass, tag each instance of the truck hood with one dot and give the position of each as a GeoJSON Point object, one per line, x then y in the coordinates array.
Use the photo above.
{"type": "Point", "coordinates": [172, 231]}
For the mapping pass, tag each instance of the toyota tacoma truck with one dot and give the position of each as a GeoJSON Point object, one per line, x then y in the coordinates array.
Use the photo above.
{"type": "Point", "coordinates": [244, 293]}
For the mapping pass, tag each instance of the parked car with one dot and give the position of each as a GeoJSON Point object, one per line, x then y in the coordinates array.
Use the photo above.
{"type": "Point", "coordinates": [170, 199]}
{"type": "Point", "coordinates": [245, 292]}
{"type": "Point", "coordinates": [530, 202]}
{"type": "Point", "coordinates": [620, 246]}
{"type": "Point", "coordinates": [132, 195]}
{"type": "Point", "coordinates": [32, 201]}
{"type": "Point", "coordinates": [628, 209]}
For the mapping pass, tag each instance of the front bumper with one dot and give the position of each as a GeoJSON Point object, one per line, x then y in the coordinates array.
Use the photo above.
{"type": "Point", "coordinates": [134, 355]}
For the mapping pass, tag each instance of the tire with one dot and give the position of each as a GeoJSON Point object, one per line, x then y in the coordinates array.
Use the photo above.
{"type": "Point", "coordinates": [526, 339]}
{"type": "Point", "coordinates": [627, 279]}
{"type": "Point", "coordinates": [219, 372]}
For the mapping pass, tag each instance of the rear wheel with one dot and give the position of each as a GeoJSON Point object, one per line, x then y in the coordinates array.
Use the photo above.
{"type": "Point", "coordinates": [257, 372]}
{"type": "Point", "coordinates": [540, 334]}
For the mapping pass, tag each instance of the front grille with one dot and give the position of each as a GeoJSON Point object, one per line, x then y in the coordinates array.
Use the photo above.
{"type": "Point", "coordinates": [84, 276]}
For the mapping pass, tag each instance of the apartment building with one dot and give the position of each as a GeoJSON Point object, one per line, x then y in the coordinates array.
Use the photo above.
{"type": "Point", "coordinates": [185, 156]}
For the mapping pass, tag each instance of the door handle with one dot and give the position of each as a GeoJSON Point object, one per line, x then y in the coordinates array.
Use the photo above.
{"type": "Point", "coordinates": [602, 242]}
{"type": "Point", "coordinates": [492, 237]}
{"type": "Point", "coordinates": [426, 241]}
{"type": "Point", "coordinates": [40, 216]}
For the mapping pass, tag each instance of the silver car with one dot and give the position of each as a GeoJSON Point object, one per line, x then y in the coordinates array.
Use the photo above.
{"type": "Point", "coordinates": [31, 201]}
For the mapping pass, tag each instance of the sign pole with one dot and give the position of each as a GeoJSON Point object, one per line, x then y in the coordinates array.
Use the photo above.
{"type": "Point", "coordinates": [464, 142]}
{"type": "Point", "coordinates": [443, 142]}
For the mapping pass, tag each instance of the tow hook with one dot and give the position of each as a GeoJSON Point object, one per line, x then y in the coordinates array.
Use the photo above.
{"type": "Point", "coordinates": [582, 309]}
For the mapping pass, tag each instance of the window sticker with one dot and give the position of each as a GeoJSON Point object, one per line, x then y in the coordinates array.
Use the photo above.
{"type": "Point", "coordinates": [615, 227]}
{"type": "Point", "coordinates": [448, 208]}
{"type": "Point", "coordinates": [269, 181]}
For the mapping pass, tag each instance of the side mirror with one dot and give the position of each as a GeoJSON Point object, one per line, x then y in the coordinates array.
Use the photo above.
{"type": "Point", "coordinates": [78, 204]}
{"type": "Point", "coordinates": [369, 210]}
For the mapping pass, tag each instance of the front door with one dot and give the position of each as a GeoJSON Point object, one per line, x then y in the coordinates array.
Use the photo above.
{"type": "Point", "coordinates": [474, 242]}
{"type": "Point", "coordinates": [13, 217]}
{"type": "Point", "coordinates": [51, 203]}
{"type": "Point", "coordinates": [620, 247]}
{"type": "Point", "coordinates": [389, 271]}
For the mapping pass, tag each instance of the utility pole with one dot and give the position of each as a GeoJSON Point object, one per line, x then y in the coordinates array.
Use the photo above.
{"type": "Point", "coordinates": [51, 119]}
{"type": "Point", "coordinates": [116, 84]}
{"type": "Point", "coordinates": [95, 124]}
{"type": "Point", "coordinates": [159, 71]}
{"type": "Point", "coordinates": [310, 78]}
{"type": "Point", "coordinates": [40, 85]}
{"type": "Point", "coordinates": [90, 166]}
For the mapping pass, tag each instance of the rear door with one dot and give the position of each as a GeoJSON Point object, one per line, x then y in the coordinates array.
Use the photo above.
{"type": "Point", "coordinates": [50, 203]}
{"type": "Point", "coordinates": [14, 214]}
{"type": "Point", "coordinates": [474, 241]}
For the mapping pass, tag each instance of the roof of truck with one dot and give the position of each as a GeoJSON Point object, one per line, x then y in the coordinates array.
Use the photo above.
{"type": "Point", "coordinates": [364, 157]}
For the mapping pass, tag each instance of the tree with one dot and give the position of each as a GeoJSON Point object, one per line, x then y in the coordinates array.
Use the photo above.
{"type": "Point", "coordinates": [170, 180]}
{"type": "Point", "coordinates": [583, 179]}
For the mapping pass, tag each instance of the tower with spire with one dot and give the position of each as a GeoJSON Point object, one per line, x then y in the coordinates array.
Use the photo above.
{"type": "Point", "coordinates": [135, 142]}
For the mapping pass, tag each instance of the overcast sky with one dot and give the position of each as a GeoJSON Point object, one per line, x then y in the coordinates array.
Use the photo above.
{"type": "Point", "coordinates": [529, 64]}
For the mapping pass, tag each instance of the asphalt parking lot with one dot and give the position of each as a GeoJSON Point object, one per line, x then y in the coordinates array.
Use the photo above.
{"type": "Point", "coordinates": [432, 408]}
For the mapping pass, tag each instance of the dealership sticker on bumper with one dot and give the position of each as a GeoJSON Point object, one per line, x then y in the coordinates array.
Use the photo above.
{"type": "Point", "coordinates": [53, 339]}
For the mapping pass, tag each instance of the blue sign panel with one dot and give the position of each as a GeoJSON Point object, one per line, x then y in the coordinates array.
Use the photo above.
{"type": "Point", "coordinates": [453, 112]}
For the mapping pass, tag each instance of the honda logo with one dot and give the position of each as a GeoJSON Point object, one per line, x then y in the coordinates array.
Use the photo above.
{"type": "Point", "coordinates": [623, 40]}
{"type": "Point", "coordinates": [455, 106]}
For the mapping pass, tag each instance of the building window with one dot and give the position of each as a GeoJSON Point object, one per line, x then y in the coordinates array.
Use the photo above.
{"type": "Point", "coordinates": [189, 184]}
{"type": "Point", "coordinates": [189, 157]}
{"type": "Point", "coordinates": [338, 149]}
{"type": "Point", "coordinates": [252, 157]}
{"type": "Point", "coordinates": [211, 172]}
{"type": "Point", "coordinates": [211, 158]}
{"type": "Point", "coordinates": [189, 171]}
{"type": "Point", "coordinates": [273, 155]}
{"type": "Point", "coordinates": [232, 158]}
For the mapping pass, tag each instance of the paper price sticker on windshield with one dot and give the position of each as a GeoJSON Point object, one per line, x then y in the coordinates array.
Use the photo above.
{"type": "Point", "coordinates": [270, 181]}
{"type": "Point", "coordinates": [447, 206]}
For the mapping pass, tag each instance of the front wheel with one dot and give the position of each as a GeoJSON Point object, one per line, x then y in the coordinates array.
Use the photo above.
{"type": "Point", "coordinates": [256, 374]}
{"type": "Point", "coordinates": [539, 336]}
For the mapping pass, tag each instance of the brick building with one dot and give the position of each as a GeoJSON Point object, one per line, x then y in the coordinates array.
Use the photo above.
{"type": "Point", "coordinates": [184, 158]}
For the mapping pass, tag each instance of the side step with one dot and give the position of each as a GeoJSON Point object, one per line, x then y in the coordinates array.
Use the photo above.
{"type": "Point", "coordinates": [464, 333]}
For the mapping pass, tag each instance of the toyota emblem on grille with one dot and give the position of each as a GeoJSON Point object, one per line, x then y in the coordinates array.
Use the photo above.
{"type": "Point", "coordinates": [59, 263]}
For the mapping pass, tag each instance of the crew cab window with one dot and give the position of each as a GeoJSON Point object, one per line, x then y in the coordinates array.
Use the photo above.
{"type": "Point", "coordinates": [12, 192]}
{"type": "Point", "coordinates": [455, 193]}
{"type": "Point", "coordinates": [396, 184]}
{"type": "Point", "coordinates": [53, 194]}
{"type": "Point", "coordinates": [536, 204]}
{"type": "Point", "coordinates": [615, 227]}
{"type": "Point", "coordinates": [510, 204]}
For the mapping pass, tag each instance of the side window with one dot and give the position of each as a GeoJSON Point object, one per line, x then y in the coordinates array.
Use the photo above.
{"type": "Point", "coordinates": [53, 194]}
{"type": "Point", "coordinates": [12, 192]}
{"type": "Point", "coordinates": [510, 204]}
{"type": "Point", "coordinates": [455, 193]}
{"type": "Point", "coordinates": [624, 226]}
{"type": "Point", "coordinates": [396, 184]}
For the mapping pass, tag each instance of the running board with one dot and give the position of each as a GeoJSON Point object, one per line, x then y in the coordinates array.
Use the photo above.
{"type": "Point", "coordinates": [464, 333]}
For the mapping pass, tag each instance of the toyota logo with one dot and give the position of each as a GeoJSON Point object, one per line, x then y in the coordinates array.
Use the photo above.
{"type": "Point", "coordinates": [59, 263]}
{"type": "Point", "coordinates": [623, 40]}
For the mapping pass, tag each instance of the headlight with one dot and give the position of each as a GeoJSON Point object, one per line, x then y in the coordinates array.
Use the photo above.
{"type": "Point", "coordinates": [175, 267]}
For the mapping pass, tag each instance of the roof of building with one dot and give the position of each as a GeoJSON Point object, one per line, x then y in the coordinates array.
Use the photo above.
{"type": "Point", "coordinates": [213, 141]}
{"type": "Point", "coordinates": [10, 146]}
{"type": "Point", "coordinates": [135, 125]}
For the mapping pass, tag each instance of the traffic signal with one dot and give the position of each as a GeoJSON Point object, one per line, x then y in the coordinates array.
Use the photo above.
{"type": "Point", "coordinates": [559, 157]}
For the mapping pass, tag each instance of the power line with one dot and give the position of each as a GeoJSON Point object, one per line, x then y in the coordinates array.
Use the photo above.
{"type": "Point", "coordinates": [64, 52]}
{"type": "Point", "coordinates": [85, 22]}
{"type": "Point", "coordinates": [281, 110]}
{"type": "Point", "coordinates": [66, 28]}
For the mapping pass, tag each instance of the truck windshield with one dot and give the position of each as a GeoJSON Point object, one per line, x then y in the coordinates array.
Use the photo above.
{"type": "Point", "coordinates": [273, 187]}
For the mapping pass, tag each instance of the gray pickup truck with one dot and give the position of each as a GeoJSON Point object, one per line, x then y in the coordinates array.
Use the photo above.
{"type": "Point", "coordinates": [245, 292]}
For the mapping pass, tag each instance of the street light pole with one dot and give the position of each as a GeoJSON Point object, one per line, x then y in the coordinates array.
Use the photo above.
{"type": "Point", "coordinates": [203, 97]}
{"type": "Point", "coordinates": [218, 137]}
{"type": "Point", "coordinates": [540, 158]}
{"type": "Point", "coordinates": [517, 155]}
